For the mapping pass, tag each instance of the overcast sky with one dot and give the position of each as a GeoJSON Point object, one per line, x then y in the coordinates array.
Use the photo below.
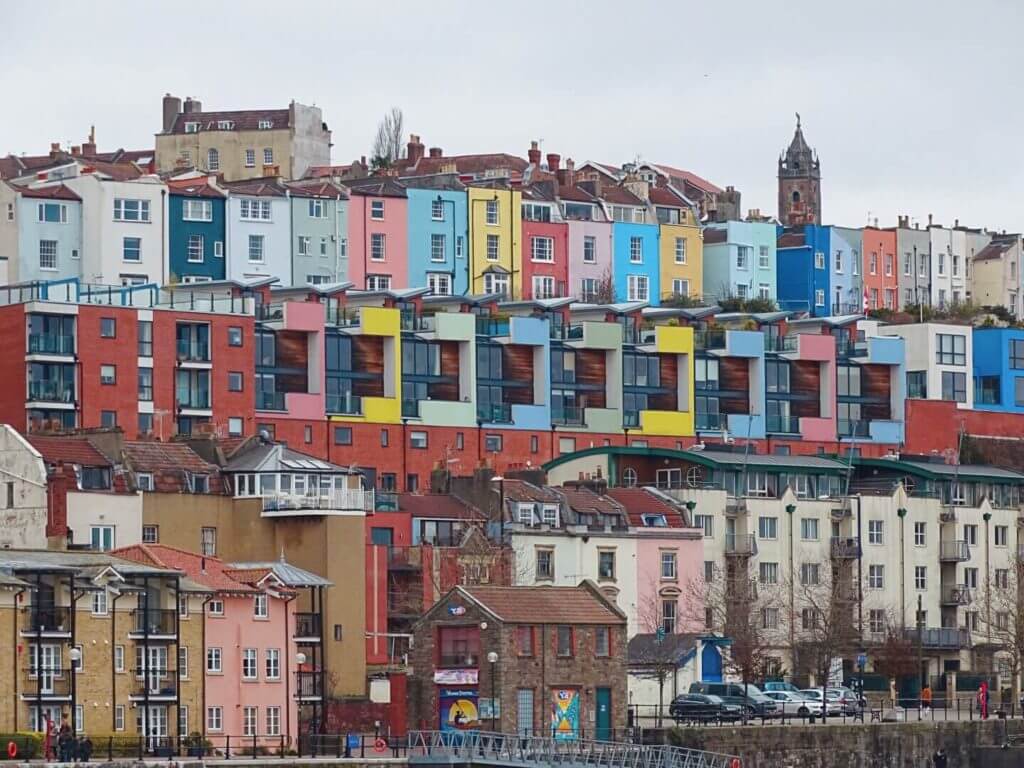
{"type": "Point", "coordinates": [913, 107]}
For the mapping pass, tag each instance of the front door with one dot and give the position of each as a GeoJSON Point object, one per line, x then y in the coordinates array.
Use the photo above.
{"type": "Point", "coordinates": [156, 726]}
{"type": "Point", "coordinates": [604, 714]}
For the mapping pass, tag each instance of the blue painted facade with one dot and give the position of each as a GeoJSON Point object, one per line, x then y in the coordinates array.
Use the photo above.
{"type": "Point", "coordinates": [845, 289]}
{"type": "Point", "coordinates": [745, 264]}
{"type": "Point", "coordinates": [649, 265]}
{"type": "Point", "coordinates": [62, 229]}
{"type": "Point", "coordinates": [891, 351]}
{"type": "Point", "coordinates": [750, 345]}
{"type": "Point", "coordinates": [803, 275]}
{"type": "Point", "coordinates": [452, 226]}
{"type": "Point", "coordinates": [999, 370]}
{"type": "Point", "coordinates": [181, 231]}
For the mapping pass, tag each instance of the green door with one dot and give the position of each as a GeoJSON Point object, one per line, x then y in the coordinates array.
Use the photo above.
{"type": "Point", "coordinates": [604, 714]}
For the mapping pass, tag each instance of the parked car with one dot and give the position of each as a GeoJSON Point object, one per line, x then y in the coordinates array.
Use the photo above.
{"type": "Point", "coordinates": [756, 703]}
{"type": "Point", "coordinates": [847, 695]}
{"type": "Point", "coordinates": [778, 685]}
{"type": "Point", "coordinates": [795, 703]}
{"type": "Point", "coordinates": [834, 706]}
{"type": "Point", "coordinates": [700, 707]}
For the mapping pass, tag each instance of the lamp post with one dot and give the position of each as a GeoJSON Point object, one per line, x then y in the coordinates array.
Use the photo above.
{"type": "Point", "coordinates": [501, 504]}
{"type": "Point", "coordinates": [492, 659]}
{"type": "Point", "coordinates": [76, 656]}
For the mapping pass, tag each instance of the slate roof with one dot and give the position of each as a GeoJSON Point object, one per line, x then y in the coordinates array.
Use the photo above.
{"type": "Point", "coordinates": [442, 506]}
{"type": "Point", "coordinates": [376, 186]}
{"type": "Point", "coordinates": [244, 120]}
{"type": "Point", "coordinates": [715, 235]}
{"type": "Point", "coordinates": [471, 165]}
{"type": "Point", "coordinates": [520, 490]}
{"type": "Point", "coordinates": [289, 575]}
{"type": "Point", "coordinates": [690, 178]}
{"type": "Point", "coordinates": [648, 649]}
{"type": "Point", "coordinates": [546, 605]}
{"type": "Point", "coordinates": [665, 196]}
{"type": "Point", "coordinates": [620, 196]}
{"type": "Point", "coordinates": [995, 249]}
{"type": "Point", "coordinates": [575, 194]}
{"type": "Point", "coordinates": [197, 187]}
{"type": "Point", "coordinates": [209, 572]}
{"type": "Point", "coordinates": [317, 189]}
{"type": "Point", "coordinates": [274, 457]}
{"type": "Point", "coordinates": [269, 186]}
{"type": "Point", "coordinates": [587, 502]}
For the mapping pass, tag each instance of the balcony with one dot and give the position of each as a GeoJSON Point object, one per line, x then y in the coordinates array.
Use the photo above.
{"type": "Point", "coordinates": [193, 400]}
{"type": "Point", "coordinates": [154, 684]}
{"type": "Point", "coordinates": [850, 428]}
{"type": "Point", "coordinates": [413, 321]}
{"type": "Point", "coordinates": [309, 685]}
{"type": "Point", "coordinates": [270, 312]}
{"type": "Point", "coordinates": [385, 501]}
{"type": "Point", "coordinates": [711, 421]}
{"type": "Point", "coordinates": [954, 552]}
{"type": "Point", "coordinates": [308, 626]}
{"type": "Point", "coordinates": [282, 504]}
{"type": "Point", "coordinates": [271, 401]}
{"type": "Point", "coordinates": [347, 404]}
{"type": "Point", "coordinates": [49, 621]}
{"type": "Point", "coordinates": [845, 548]}
{"type": "Point", "coordinates": [850, 348]}
{"type": "Point", "coordinates": [410, 409]}
{"type": "Point", "coordinates": [497, 413]}
{"type": "Point", "coordinates": [846, 593]}
{"type": "Point", "coordinates": [487, 326]}
{"type": "Point", "coordinates": [781, 343]}
{"type": "Point", "coordinates": [343, 317]}
{"type": "Point", "coordinates": [51, 392]}
{"type": "Point", "coordinates": [946, 638]}
{"type": "Point", "coordinates": [193, 351]}
{"type": "Point", "coordinates": [740, 545]}
{"type": "Point", "coordinates": [956, 595]}
{"type": "Point", "coordinates": [735, 506]}
{"type": "Point", "coordinates": [709, 339]}
{"type": "Point", "coordinates": [842, 513]}
{"type": "Point", "coordinates": [741, 590]}
{"type": "Point", "coordinates": [50, 344]}
{"type": "Point", "coordinates": [947, 515]}
{"type": "Point", "coordinates": [784, 425]}
{"type": "Point", "coordinates": [630, 419]}
{"type": "Point", "coordinates": [404, 559]}
{"type": "Point", "coordinates": [155, 623]}
{"type": "Point", "coordinates": [567, 415]}
{"type": "Point", "coordinates": [403, 604]}
{"type": "Point", "coordinates": [47, 684]}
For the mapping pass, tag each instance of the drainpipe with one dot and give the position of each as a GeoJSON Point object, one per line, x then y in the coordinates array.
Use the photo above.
{"type": "Point", "coordinates": [988, 581]}
{"type": "Point", "coordinates": [902, 513]}
{"type": "Point", "coordinates": [14, 660]}
{"type": "Point", "coordinates": [202, 707]}
{"type": "Point", "coordinates": [366, 226]}
{"type": "Point", "coordinates": [291, 232]}
{"type": "Point", "coordinates": [790, 509]}
{"type": "Point", "coordinates": [286, 671]}
{"type": "Point", "coordinates": [164, 271]}
{"type": "Point", "coordinates": [337, 240]}
{"type": "Point", "coordinates": [73, 672]}
{"type": "Point", "coordinates": [113, 669]}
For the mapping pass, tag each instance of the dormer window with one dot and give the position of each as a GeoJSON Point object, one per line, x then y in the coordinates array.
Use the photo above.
{"type": "Point", "coordinates": [655, 521]}
{"type": "Point", "coordinates": [225, 125]}
{"type": "Point", "coordinates": [551, 515]}
{"type": "Point", "coordinates": [191, 127]}
{"type": "Point", "coordinates": [265, 125]}
{"type": "Point", "coordinates": [525, 514]}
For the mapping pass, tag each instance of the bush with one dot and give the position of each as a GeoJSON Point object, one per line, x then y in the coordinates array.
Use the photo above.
{"type": "Point", "coordinates": [29, 744]}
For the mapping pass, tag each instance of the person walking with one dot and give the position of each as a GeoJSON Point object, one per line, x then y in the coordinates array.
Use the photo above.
{"type": "Point", "coordinates": [939, 758]}
{"type": "Point", "coordinates": [926, 697]}
{"type": "Point", "coordinates": [983, 699]}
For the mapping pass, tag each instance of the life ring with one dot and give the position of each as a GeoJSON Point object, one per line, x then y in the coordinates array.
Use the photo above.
{"type": "Point", "coordinates": [12, 750]}
{"type": "Point", "coordinates": [380, 745]}
{"type": "Point", "coordinates": [735, 763]}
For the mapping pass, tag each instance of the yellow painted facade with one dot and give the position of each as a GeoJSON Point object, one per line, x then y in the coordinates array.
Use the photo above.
{"type": "Point", "coordinates": [681, 257]}
{"type": "Point", "coordinates": [678, 341]}
{"type": "Point", "coordinates": [386, 323]}
{"type": "Point", "coordinates": [507, 228]}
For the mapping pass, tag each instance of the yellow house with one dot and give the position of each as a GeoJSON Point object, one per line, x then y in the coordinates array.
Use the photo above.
{"type": "Point", "coordinates": [681, 245]}
{"type": "Point", "coordinates": [495, 249]}
{"type": "Point", "coordinates": [673, 342]}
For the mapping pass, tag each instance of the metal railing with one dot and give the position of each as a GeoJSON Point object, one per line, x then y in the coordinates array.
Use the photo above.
{"type": "Point", "coordinates": [845, 546]}
{"type": "Point", "coordinates": [157, 682]}
{"type": "Point", "coordinates": [787, 343]}
{"type": "Point", "coordinates": [788, 425]}
{"type": "Point", "coordinates": [501, 748]}
{"type": "Point", "coordinates": [567, 414]}
{"type": "Point", "coordinates": [48, 619]}
{"type": "Point", "coordinates": [308, 624]}
{"type": "Point", "coordinates": [940, 637]}
{"type": "Point", "coordinates": [500, 413]}
{"type": "Point", "coordinates": [155, 621]}
{"type": "Point", "coordinates": [47, 682]}
{"type": "Point", "coordinates": [956, 595]}
{"type": "Point", "coordinates": [486, 326]}
{"type": "Point", "coordinates": [347, 403]}
{"type": "Point", "coordinates": [193, 351]}
{"type": "Point", "coordinates": [193, 399]}
{"type": "Point", "coordinates": [954, 551]}
{"type": "Point", "coordinates": [339, 499]}
{"type": "Point", "coordinates": [309, 684]}
{"type": "Point", "coordinates": [853, 428]}
{"type": "Point", "coordinates": [50, 344]}
{"type": "Point", "coordinates": [404, 558]}
{"type": "Point", "coordinates": [742, 544]}
{"type": "Point", "coordinates": [709, 339]}
{"type": "Point", "coordinates": [270, 401]}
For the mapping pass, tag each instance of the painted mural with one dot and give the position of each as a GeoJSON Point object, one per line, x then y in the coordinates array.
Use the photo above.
{"type": "Point", "coordinates": [565, 714]}
{"type": "Point", "coordinates": [458, 709]}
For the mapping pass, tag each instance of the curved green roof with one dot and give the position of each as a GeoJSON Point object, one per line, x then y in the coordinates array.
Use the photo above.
{"type": "Point", "coordinates": [721, 460]}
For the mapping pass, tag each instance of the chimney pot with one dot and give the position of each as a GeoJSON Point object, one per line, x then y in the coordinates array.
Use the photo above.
{"type": "Point", "coordinates": [414, 149]}
{"type": "Point", "coordinates": [929, 219]}
{"type": "Point", "coordinates": [534, 154]}
{"type": "Point", "coordinates": [436, 152]}
{"type": "Point", "coordinates": [553, 161]}
{"type": "Point", "coordinates": [956, 223]}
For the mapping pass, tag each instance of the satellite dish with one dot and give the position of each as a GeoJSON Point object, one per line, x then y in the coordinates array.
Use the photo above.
{"type": "Point", "coordinates": [694, 477]}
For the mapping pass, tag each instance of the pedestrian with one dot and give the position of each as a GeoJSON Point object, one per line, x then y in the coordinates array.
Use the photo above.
{"type": "Point", "coordinates": [926, 697]}
{"type": "Point", "coordinates": [65, 743]}
{"type": "Point", "coordinates": [85, 749]}
{"type": "Point", "coordinates": [939, 759]}
{"type": "Point", "coordinates": [983, 699]}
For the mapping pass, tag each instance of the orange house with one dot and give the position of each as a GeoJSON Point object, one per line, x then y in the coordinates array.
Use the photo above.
{"type": "Point", "coordinates": [879, 268]}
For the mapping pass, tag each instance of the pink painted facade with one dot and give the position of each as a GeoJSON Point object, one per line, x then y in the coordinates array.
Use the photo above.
{"type": "Point", "coordinates": [820, 348]}
{"type": "Point", "coordinates": [557, 268]}
{"type": "Point", "coordinates": [579, 270]}
{"type": "Point", "coordinates": [653, 587]}
{"type": "Point", "coordinates": [365, 219]}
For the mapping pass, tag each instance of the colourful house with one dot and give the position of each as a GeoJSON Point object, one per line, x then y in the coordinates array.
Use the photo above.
{"type": "Point", "coordinates": [40, 232]}
{"type": "Point", "coordinates": [319, 232]}
{"type": "Point", "coordinates": [740, 260]}
{"type": "Point", "coordinates": [196, 230]}
{"type": "Point", "coordinates": [881, 283]}
{"type": "Point", "coordinates": [437, 234]}
{"type": "Point", "coordinates": [495, 234]}
{"type": "Point", "coordinates": [999, 369]}
{"type": "Point", "coordinates": [803, 269]}
{"type": "Point", "coordinates": [590, 244]}
{"type": "Point", "coordinates": [546, 243]}
{"type": "Point", "coordinates": [636, 258]}
{"type": "Point", "coordinates": [378, 228]}
{"type": "Point", "coordinates": [681, 244]}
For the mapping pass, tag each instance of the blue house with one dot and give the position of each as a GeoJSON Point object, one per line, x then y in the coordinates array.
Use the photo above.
{"type": "Point", "coordinates": [438, 257]}
{"type": "Point", "coordinates": [802, 257]}
{"type": "Point", "coordinates": [999, 369]}
{"type": "Point", "coordinates": [845, 287]}
{"type": "Point", "coordinates": [195, 236]}
{"type": "Point", "coordinates": [44, 226]}
{"type": "Point", "coordinates": [635, 262]}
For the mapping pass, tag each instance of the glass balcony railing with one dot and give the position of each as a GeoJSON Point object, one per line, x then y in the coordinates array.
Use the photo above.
{"type": "Point", "coordinates": [709, 339]}
{"type": "Point", "coordinates": [51, 392]}
{"type": "Point", "coordinates": [50, 344]}
{"type": "Point", "coordinates": [567, 414]}
{"type": "Point", "coordinates": [348, 403]}
{"type": "Point", "coordinates": [193, 351]}
{"type": "Point", "coordinates": [270, 401]}
{"type": "Point", "coordinates": [786, 425]}
{"type": "Point", "coordinates": [630, 419]}
{"type": "Point", "coordinates": [411, 409]}
{"type": "Point", "coordinates": [155, 621]}
{"type": "Point", "coordinates": [487, 326]}
{"type": "Point", "coordinates": [851, 428]}
{"type": "Point", "coordinates": [780, 343]}
{"type": "Point", "coordinates": [193, 400]}
{"type": "Point", "coordinates": [711, 420]}
{"type": "Point", "coordinates": [496, 413]}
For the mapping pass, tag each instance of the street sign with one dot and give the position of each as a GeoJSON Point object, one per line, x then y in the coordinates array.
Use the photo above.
{"type": "Point", "coordinates": [835, 672]}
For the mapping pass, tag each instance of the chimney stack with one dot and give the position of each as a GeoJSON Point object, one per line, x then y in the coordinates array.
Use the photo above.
{"type": "Point", "coordinates": [76, 151]}
{"type": "Point", "coordinates": [956, 223]}
{"type": "Point", "coordinates": [54, 148]}
{"type": "Point", "coordinates": [553, 161]}
{"type": "Point", "coordinates": [929, 219]}
{"type": "Point", "coordinates": [414, 149]}
{"type": "Point", "coordinates": [89, 147]}
{"type": "Point", "coordinates": [534, 153]}
{"type": "Point", "coordinates": [172, 107]}
{"type": "Point", "coordinates": [192, 105]}
{"type": "Point", "coordinates": [436, 152]}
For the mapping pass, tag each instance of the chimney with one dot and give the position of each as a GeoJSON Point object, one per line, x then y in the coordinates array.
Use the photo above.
{"type": "Point", "coordinates": [553, 161]}
{"type": "Point", "coordinates": [172, 107]}
{"type": "Point", "coordinates": [89, 147]}
{"type": "Point", "coordinates": [929, 219]}
{"type": "Point", "coordinates": [534, 153]}
{"type": "Point", "coordinates": [570, 170]}
{"type": "Point", "coordinates": [414, 149]}
{"type": "Point", "coordinates": [57, 502]}
{"type": "Point", "coordinates": [956, 223]}
{"type": "Point", "coordinates": [76, 151]}
{"type": "Point", "coordinates": [436, 152]}
{"type": "Point", "coordinates": [192, 105]}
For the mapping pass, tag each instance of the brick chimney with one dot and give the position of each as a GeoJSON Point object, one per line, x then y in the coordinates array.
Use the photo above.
{"type": "Point", "coordinates": [567, 176]}
{"type": "Point", "coordinates": [57, 502]}
{"type": "Point", "coordinates": [414, 149]}
{"type": "Point", "coordinates": [89, 147]}
{"type": "Point", "coordinates": [54, 148]}
{"type": "Point", "coordinates": [534, 154]}
{"type": "Point", "coordinates": [172, 107]}
{"type": "Point", "coordinates": [553, 161]}
{"type": "Point", "coordinates": [76, 151]}
{"type": "Point", "coordinates": [436, 152]}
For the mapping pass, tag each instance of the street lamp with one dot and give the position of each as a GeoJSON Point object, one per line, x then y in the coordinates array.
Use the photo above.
{"type": "Point", "coordinates": [75, 654]}
{"type": "Point", "coordinates": [492, 659]}
{"type": "Point", "coordinates": [501, 503]}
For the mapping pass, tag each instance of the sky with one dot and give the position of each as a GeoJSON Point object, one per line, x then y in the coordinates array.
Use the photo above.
{"type": "Point", "coordinates": [913, 107]}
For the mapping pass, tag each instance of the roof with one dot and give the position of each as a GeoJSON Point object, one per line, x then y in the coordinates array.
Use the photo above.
{"type": "Point", "coordinates": [831, 321]}
{"type": "Point", "coordinates": [49, 192]}
{"type": "Point", "coordinates": [317, 189]}
{"type": "Point", "coordinates": [689, 177]}
{"type": "Point", "coordinates": [640, 501]}
{"type": "Point", "coordinates": [575, 194]}
{"type": "Point", "coordinates": [437, 505]}
{"type": "Point", "coordinates": [666, 196]}
{"type": "Point", "coordinates": [585, 501]}
{"type": "Point", "coordinates": [522, 491]}
{"type": "Point", "coordinates": [653, 648]}
{"type": "Point", "coordinates": [620, 196]}
{"type": "Point", "coordinates": [942, 471]}
{"type": "Point", "coordinates": [546, 605]}
{"type": "Point", "coordinates": [791, 240]}
{"type": "Point", "coordinates": [275, 457]}
{"type": "Point", "coordinates": [243, 119]}
{"type": "Point", "coordinates": [72, 560]}
{"type": "Point", "coordinates": [194, 187]}
{"type": "Point", "coordinates": [288, 574]}
{"type": "Point", "coordinates": [470, 165]}
{"type": "Point", "coordinates": [68, 450]}
{"type": "Point", "coordinates": [715, 235]}
{"type": "Point", "coordinates": [713, 459]}
{"type": "Point", "coordinates": [996, 248]}
{"type": "Point", "coordinates": [542, 304]}
{"type": "Point", "coordinates": [268, 186]}
{"type": "Point", "coordinates": [168, 463]}
{"type": "Point", "coordinates": [376, 186]}
{"type": "Point", "coordinates": [206, 571]}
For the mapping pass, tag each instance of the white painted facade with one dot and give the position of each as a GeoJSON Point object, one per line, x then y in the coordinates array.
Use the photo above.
{"type": "Point", "coordinates": [276, 240]}
{"type": "Point", "coordinates": [89, 509]}
{"type": "Point", "coordinates": [923, 354]}
{"type": "Point", "coordinates": [951, 257]}
{"type": "Point", "coordinates": [22, 493]}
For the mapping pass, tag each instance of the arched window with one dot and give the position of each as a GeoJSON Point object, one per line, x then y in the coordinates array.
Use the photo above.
{"type": "Point", "coordinates": [212, 160]}
{"type": "Point", "coordinates": [629, 477]}
{"type": "Point", "coordinates": [796, 196]}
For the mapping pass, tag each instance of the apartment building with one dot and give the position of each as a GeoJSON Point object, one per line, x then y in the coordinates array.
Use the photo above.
{"type": "Point", "coordinates": [939, 361]}
{"type": "Point", "coordinates": [998, 364]}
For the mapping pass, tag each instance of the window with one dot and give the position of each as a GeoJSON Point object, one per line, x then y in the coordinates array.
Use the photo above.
{"type": "Point", "coordinates": [234, 381]}
{"type": "Point", "coordinates": [950, 349]}
{"type": "Point", "coordinates": [492, 443]}
{"type": "Point", "coordinates": [1002, 578]}
{"type": "Point", "coordinates": [208, 541]}
{"type": "Point", "coordinates": [256, 249]}
{"type": "Point", "coordinates": [764, 291]}
{"type": "Point", "coordinates": [492, 212]}
{"type": "Point", "coordinates": [876, 621]}
{"type": "Point", "coordinates": [378, 282]}
{"type": "Point", "coordinates": [51, 213]}
{"type": "Point", "coordinates": [545, 563]}
{"type": "Point", "coordinates": [273, 664]}
{"type": "Point", "coordinates": [437, 209]}
{"type": "Point", "coordinates": [268, 156]}
{"type": "Point", "coordinates": [214, 718]}
{"type": "Point", "coordinates": [819, 260]}
{"type": "Point", "coordinates": [873, 263]}
{"type": "Point", "coordinates": [819, 298]}
{"type": "Point", "coordinates": [273, 721]}
{"type": "Point", "coordinates": [214, 661]}
{"type": "Point", "coordinates": [304, 245]}
{"type": "Point", "coordinates": [680, 250]}
{"type": "Point", "coordinates": [564, 640]}
{"type": "Point", "coordinates": [145, 383]}
{"type": "Point", "coordinates": [102, 537]}
{"type": "Point", "coordinates": [437, 250]}
{"type": "Point", "coordinates": [888, 264]}
{"type": "Point", "coordinates": [254, 210]}
{"type": "Point", "coordinates": [132, 249]}
{"type": "Point", "coordinates": [439, 283]}
{"type": "Point", "coordinates": [920, 529]}
{"type": "Point", "coordinates": [417, 439]}
{"type": "Point", "coordinates": [875, 532]}
{"type": "Point", "coordinates": [492, 247]}
{"type": "Point", "coordinates": [680, 287]}
{"type": "Point", "coordinates": [1017, 353]}
{"type": "Point", "coordinates": [876, 577]}
{"type": "Point", "coordinates": [343, 435]}
{"type": "Point", "coordinates": [216, 607]}
{"type": "Point", "coordinates": [590, 251]}
{"type": "Point", "coordinates": [602, 641]}
{"type": "Point", "coordinates": [920, 577]}
{"type": "Point", "coordinates": [917, 384]}
{"type": "Point", "coordinates": [48, 255]}
{"type": "Point", "coordinates": [378, 243]}
{"type": "Point", "coordinates": [668, 616]}
{"type": "Point", "coordinates": [377, 210]}
{"type": "Point", "coordinates": [260, 607]}
{"type": "Point", "coordinates": [668, 565]}
{"type": "Point", "coordinates": [145, 421]}
{"type": "Point", "coordinates": [131, 210]}
{"type": "Point", "coordinates": [248, 663]}
{"type": "Point", "coordinates": [906, 265]}
{"type": "Point", "coordinates": [769, 618]}
{"type": "Point", "coordinates": [707, 523]}
{"type": "Point", "coordinates": [606, 565]}
{"type": "Point", "coordinates": [150, 533]}
{"type": "Point", "coordinates": [971, 535]}
{"type": "Point", "coordinates": [99, 603]}
{"type": "Point", "coordinates": [542, 249]}
{"type": "Point", "coordinates": [709, 571]}
{"type": "Point", "coordinates": [637, 288]}
{"type": "Point", "coordinates": [636, 250]}
{"type": "Point", "coordinates": [195, 248]}
{"type": "Point", "coordinates": [768, 573]}
{"type": "Point", "coordinates": [543, 287]}
{"type": "Point", "coordinates": [839, 262]}
{"type": "Point", "coordinates": [234, 336]}
{"type": "Point", "coordinates": [809, 618]}
{"type": "Point", "coordinates": [768, 528]}
{"type": "Point", "coordinates": [971, 578]}
{"type": "Point", "coordinates": [119, 717]}
{"type": "Point", "coordinates": [809, 528]}
{"type": "Point", "coordinates": [810, 574]}
{"type": "Point", "coordinates": [743, 256]}
{"type": "Point", "coordinates": [954, 386]}
{"type": "Point", "coordinates": [235, 426]}
{"type": "Point", "coordinates": [1002, 535]}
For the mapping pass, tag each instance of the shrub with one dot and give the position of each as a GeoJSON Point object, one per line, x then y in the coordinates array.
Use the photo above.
{"type": "Point", "coordinates": [29, 744]}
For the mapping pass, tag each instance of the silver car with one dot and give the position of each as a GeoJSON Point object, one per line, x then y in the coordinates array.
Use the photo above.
{"type": "Point", "coordinates": [795, 703]}
{"type": "Point", "coordinates": [835, 706]}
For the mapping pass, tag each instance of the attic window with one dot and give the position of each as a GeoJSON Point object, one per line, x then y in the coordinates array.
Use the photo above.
{"type": "Point", "coordinates": [655, 521]}
{"type": "Point", "coordinates": [197, 483]}
{"type": "Point", "coordinates": [265, 125]}
{"type": "Point", "coordinates": [551, 515]}
{"type": "Point", "coordinates": [225, 125]}
{"type": "Point", "coordinates": [93, 478]}
{"type": "Point", "coordinates": [144, 480]}
{"type": "Point", "coordinates": [526, 514]}
{"type": "Point", "coordinates": [191, 127]}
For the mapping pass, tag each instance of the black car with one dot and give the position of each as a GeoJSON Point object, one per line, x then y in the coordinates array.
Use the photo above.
{"type": "Point", "coordinates": [700, 707]}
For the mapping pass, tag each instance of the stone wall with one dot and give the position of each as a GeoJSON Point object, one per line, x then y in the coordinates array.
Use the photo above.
{"type": "Point", "coordinates": [885, 745]}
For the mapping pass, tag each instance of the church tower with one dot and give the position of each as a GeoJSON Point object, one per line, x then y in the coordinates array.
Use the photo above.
{"type": "Point", "coordinates": [799, 182]}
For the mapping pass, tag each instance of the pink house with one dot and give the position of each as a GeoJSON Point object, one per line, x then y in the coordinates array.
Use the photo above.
{"type": "Point", "coordinates": [590, 253]}
{"type": "Point", "coordinates": [378, 234]}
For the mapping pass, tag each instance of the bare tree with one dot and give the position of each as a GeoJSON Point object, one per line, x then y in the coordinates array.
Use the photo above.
{"type": "Point", "coordinates": [605, 292]}
{"type": "Point", "coordinates": [387, 146]}
{"type": "Point", "coordinates": [1005, 617]}
{"type": "Point", "coordinates": [654, 650]}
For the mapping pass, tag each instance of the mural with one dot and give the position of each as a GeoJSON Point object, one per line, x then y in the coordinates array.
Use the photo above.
{"type": "Point", "coordinates": [565, 714]}
{"type": "Point", "coordinates": [458, 709]}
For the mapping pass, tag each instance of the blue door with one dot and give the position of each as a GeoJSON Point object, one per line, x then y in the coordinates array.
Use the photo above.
{"type": "Point", "coordinates": [604, 714]}
{"type": "Point", "coordinates": [711, 664]}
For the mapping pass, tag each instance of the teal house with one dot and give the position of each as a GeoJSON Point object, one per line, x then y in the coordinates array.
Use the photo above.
{"type": "Point", "coordinates": [195, 231]}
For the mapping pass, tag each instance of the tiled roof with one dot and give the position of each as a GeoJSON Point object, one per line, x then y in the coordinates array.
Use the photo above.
{"type": "Point", "coordinates": [620, 196]}
{"type": "Point", "coordinates": [198, 187]}
{"type": "Point", "coordinates": [244, 119]}
{"type": "Point", "coordinates": [49, 192]}
{"type": "Point", "coordinates": [69, 450]}
{"type": "Point", "coordinates": [269, 186]}
{"type": "Point", "coordinates": [546, 605]}
{"type": "Point", "coordinates": [520, 490]}
{"type": "Point", "coordinates": [249, 575]}
{"type": "Point", "coordinates": [168, 463]}
{"type": "Point", "coordinates": [210, 572]}
{"type": "Point", "coordinates": [665, 196]}
{"type": "Point", "coordinates": [376, 186]}
{"type": "Point", "coordinates": [576, 194]}
{"type": "Point", "coordinates": [317, 189]}
{"type": "Point", "coordinates": [585, 501]}
{"type": "Point", "coordinates": [437, 505]}
{"type": "Point", "coordinates": [791, 240]}
{"type": "Point", "coordinates": [464, 164]}
{"type": "Point", "coordinates": [715, 235]}
{"type": "Point", "coordinates": [995, 249]}
{"type": "Point", "coordinates": [690, 178]}
{"type": "Point", "coordinates": [639, 502]}
{"type": "Point", "coordinates": [321, 171]}
{"type": "Point", "coordinates": [116, 171]}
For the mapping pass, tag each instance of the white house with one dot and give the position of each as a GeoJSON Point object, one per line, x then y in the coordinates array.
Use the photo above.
{"type": "Point", "coordinates": [22, 493]}
{"type": "Point", "coordinates": [939, 361]}
{"type": "Point", "coordinates": [259, 230]}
